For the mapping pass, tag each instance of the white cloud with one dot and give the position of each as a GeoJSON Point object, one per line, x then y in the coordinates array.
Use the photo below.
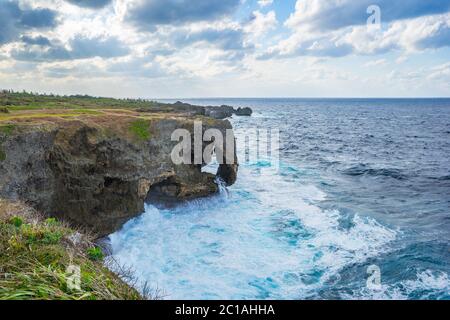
{"type": "Point", "coordinates": [441, 73]}
{"type": "Point", "coordinates": [265, 3]}
{"type": "Point", "coordinates": [205, 44]}
{"type": "Point", "coordinates": [409, 35]}
{"type": "Point", "coordinates": [261, 23]}
{"type": "Point", "coordinates": [336, 14]}
{"type": "Point", "coordinates": [375, 63]}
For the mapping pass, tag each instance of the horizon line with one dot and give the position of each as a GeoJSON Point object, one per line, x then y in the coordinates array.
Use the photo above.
{"type": "Point", "coordinates": [289, 97]}
{"type": "Point", "coordinates": [233, 97]}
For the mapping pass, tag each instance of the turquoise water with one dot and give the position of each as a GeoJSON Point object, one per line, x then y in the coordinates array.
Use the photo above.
{"type": "Point", "coordinates": [359, 183]}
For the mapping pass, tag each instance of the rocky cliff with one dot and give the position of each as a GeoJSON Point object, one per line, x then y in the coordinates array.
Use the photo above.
{"type": "Point", "coordinates": [96, 168]}
{"type": "Point", "coordinates": [225, 111]}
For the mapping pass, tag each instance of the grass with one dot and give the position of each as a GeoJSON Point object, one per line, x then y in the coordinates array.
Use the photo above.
{"type": "Point", "coordinates": [127, 118]}
{"type": "Point", "coordinates": [35, 253]}
{"type": "Point", "coordinates": [72, 113]}
{"type": "Point", "coordinates": [36, 256]}
{"type": "Point", "coordinates": [16, 221]}
{"type": "Point", "coordinates": [7, 129]}
{"type": "Point", "coordinates": [16, 101]}
{"type": "Point", "coordinates": [141, 129]}
{"type": "Point", "coordinates": [95, 254]}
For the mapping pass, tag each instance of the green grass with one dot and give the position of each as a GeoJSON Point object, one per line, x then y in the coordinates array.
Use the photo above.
{"type": "Point", "coordinates": [16, 221]}
{"type": "Point", "coordinates": [95, 253]}
{"type": "Point", "coordinates": [51, 222]}
{"type": "Point", "coordinates": [15, 101]}
{"type": "Point", "coordinates": [35, 259]}
{"type": "Point", "coordinates": [7, 129]}
{"type": "Point", "coordinates": [2, 154]}
{"type": "Point", "coordinates": [141, 129]}
{"type": "Point", "coordinates": [72, 113]}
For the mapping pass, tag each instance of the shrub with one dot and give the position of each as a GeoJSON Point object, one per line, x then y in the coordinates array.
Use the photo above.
{"type": "Point", "coordinates": [95, 253]}
{"type": "Point", "coordinates": [31, 234]}
{"type": "Point", "coordinates": [51, 222]}
{"type": "Point", "coordinates": [34, 263]}
{"type": "Point", "coordinates": [50, 237]}
{"type": "Point", "coordinates": [7, 129]}
{"type": "Point", "coordinates": [16, 221]}
{"type": "Point", "coordinates": [141, 129]}
{"type": "Point", "coordinates": [4, 110]}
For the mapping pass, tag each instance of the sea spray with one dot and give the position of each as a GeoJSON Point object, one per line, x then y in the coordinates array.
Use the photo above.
{"type": "Point", "coordinates": [252, 241]}
{"type": "Point", "coordinates": [312, 229]}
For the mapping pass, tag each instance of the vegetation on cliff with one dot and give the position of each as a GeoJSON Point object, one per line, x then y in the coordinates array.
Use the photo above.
{"type": "Point", "coordinates": [93, 163]}
{"type": "Point", "coordinates": [28, 101]}
{"type": "Point", "coordinates": [36, 254]}
{"type": "Point", "coordinates": [19, 101]}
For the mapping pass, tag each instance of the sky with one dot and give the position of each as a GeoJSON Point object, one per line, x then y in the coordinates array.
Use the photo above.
{"type": "Point", "coordinates": [226, 48]}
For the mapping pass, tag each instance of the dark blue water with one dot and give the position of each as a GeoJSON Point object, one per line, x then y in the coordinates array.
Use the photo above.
{"type": "Point", "coordinates": [362, 182]}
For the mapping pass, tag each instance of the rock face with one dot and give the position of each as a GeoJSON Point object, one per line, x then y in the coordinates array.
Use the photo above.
{"type": "Point", "coordinates": [221, 112]}
{"type": "Point", "coordinates": [224, 112]}
{"type": "Point", "coordinates": [246, 112]}
{"type": "Point", "coordinates": [97, 177]}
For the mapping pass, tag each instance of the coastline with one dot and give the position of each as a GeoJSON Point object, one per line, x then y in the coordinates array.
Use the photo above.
{"type": "Point", "coordinates": [94, 162]}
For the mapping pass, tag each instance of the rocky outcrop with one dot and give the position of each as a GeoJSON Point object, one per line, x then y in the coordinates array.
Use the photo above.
{"type": "Point", "coordinates": [98, 175]}
{"type": "Point", "coordinates": [245, 112]}
{"type": "Point", "coordinates": [224, 112]}
{"type": "Point", "coordinates": [221, 112]}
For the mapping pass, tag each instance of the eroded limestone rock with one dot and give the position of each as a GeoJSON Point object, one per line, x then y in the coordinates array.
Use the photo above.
{"type": "Point", "coordinates": [96, 176]}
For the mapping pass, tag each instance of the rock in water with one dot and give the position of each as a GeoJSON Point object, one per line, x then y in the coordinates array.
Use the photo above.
{"type": "Point", "coordinates": [224, 112]}
{"type": "Point", "coordinates": [244, 112]}
{"type": "Point", "coordinates": [221, 112]}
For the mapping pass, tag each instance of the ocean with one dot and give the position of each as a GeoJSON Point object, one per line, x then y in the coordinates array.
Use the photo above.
{"type": "Point", "coordinates": [361, 185]}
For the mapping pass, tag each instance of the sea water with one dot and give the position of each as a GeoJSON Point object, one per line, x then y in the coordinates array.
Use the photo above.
{"type": "Point", "coordinates": [359, 183]}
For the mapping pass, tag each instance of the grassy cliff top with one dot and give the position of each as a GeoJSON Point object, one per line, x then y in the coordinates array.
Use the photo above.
{"type": "Point", "coordinates": [128, 117]}
{"type": "Point", "coordinates": [29, 101]}
{"type": "Point", "coordinates": [36, 255]}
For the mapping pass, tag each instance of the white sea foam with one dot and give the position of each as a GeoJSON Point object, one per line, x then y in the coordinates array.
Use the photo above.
{"type": "Point", "coordinates": [265, 239]}
{"type": "Point", "coordinates": [427, 284]}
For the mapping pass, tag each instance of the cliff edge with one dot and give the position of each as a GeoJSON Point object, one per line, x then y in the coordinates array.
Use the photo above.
{"type": "Point", "coordinates": [96, 167]}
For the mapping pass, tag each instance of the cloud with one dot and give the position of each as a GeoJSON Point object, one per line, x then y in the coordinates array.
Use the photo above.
{"type": "Point", "coordinates": [14, 20]}
{"type": "Point", "coordinates": [419, 34]}
{"type": "Point", "coordinates": [335, 14]}
{"type": "Point", "coordinates": [436, 76]}
{"type": "Point", "coordinates": [129, 67]}
{"type": "Point", "coordinates": [300, 45]}
{"type": "Point", "coordinates": [260, 23]}
{"type": "Point", "coordinates": [97, 47]}
{"type": "Point", "coordinates": [438, 35]}
{"type": "Point", "coordinates": [441, 73]}
{"type": "Point", "coordinates": [375, 63]}
{"type": "Point", "coordinates": [79, 71]}
{"type": "Point", "coordinates": [38, 18]}
{"type": "Point", "coordinates": [80, 48]}
{"type": "Point", "coordinates": [93, 4]}
{"type": "Point", "coordinates": [227, 39]}
{"type": "Point", "coordinates": [217, 44]}
{"type": "Point", "coordinates": [9, 15]}
{"type": "Point", "coordinates": [404, 35]}
{"type": "Point", "coordinates": [38, 41]}
{"type": "Point", "coordinates": [265, 3]}
{"type": "Point", "coordinates": [146, 14]}
{"type": "Point", "coordinates": [140, 67]}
